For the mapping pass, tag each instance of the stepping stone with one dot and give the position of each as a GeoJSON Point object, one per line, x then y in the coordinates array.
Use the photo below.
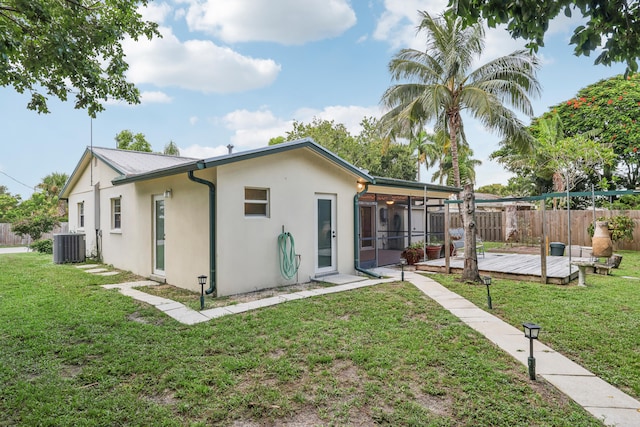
{"type": "Point", "coordinates": [108, 273]}
{"type": "Point", "coordinates": [96, 270]}
{"type": "Point", "coordinates": [83, 266]}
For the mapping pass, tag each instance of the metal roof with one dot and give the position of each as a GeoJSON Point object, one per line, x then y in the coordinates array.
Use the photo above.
{"type": "Point", "coordinates": [140, 166]}
{"type": "Point", "coordinates": [213, 162]}
{"type": "Point", "coordinates": [130, 163]}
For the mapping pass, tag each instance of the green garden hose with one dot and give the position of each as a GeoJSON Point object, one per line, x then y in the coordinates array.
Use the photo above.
{"type": "Point", "coordinates": [289, 263]}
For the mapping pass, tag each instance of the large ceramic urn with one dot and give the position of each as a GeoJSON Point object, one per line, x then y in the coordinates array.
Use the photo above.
{"type": "Point", "coordinates": [602, 246]}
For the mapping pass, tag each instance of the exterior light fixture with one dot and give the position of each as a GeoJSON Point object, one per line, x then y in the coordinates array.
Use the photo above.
{"type": "Point", "coordinates": [487, 281]}
{"type": "Point", "coordinates": [202, 280]}
{"type": "Point", "coordinates": [531, 331]}
{"type": "Point", "coordinates": [403, 262]}
{"type": "Point", "coordinates": [390, 202]}
{"type": "Point", "coordinates": [168, 193]}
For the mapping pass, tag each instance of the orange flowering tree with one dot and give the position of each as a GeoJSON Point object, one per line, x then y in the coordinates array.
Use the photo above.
{"type": "Point", "coordinates": [611, 108]}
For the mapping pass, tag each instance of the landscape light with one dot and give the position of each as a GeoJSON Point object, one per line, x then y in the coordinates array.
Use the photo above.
{"type": "Point", "coordinates": [531, 331]}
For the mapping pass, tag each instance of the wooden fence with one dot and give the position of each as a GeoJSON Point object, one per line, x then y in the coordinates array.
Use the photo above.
{"type": "Point", "coordinates": [491, 226]}
{"type": "Point", "coordinates": [8, 238]}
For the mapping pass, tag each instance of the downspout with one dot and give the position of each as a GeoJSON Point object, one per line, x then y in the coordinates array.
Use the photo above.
{"type": "Point", "coordinates": [356, 232]}
{"type": "Point", "coordinates": [212, 227]}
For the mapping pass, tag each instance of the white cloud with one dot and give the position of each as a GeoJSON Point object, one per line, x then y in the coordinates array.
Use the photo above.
{"type": "Point", "coordinates": [197, 65]}
{"type": "Point", "coordinates": [193, 120]}
{"type": "Point", "coordinates": [155, 98]}
{"type": "Point", "coordinates": [397, 25]}
{"type": "Point", "coordinates": [156, 12]}
{"type": "Point", "coordinates": [254, 129]}
{"type": "Point", "coordinates": [200, 152]}
{"type": "Point", "coordinates": [289, 22]}
{"type": "Point", "coordinates": [350, 116]}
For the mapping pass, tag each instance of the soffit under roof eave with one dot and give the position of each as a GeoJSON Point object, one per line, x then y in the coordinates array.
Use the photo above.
{"type": "Point", "coordinates": [431, 193]}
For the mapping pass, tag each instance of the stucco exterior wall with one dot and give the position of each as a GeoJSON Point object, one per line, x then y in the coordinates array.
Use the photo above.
{"type": "Point", "coordinates": [186, 228]}
{"type": "Point", "coordinates": [247, 247]}
{"type": "Point", "coordinates": [98, 176]}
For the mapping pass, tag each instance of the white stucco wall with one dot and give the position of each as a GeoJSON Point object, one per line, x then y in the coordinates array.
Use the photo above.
{"type": "Point", "coordinates": [247, 251]}
{"type": "Point", "coordinates": [246, 247]}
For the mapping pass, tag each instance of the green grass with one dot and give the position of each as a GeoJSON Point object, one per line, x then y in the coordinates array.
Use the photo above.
{"type": "Point", "coordinates": [75, 354]}
{"type": "Point", "coordinates": [596, 326]}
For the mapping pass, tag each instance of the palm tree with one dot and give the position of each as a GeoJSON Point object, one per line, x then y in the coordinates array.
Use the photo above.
{"type": "Point", "coordinates": [438, 85]}
{"type": "Point", "coordinates": [467, 165]}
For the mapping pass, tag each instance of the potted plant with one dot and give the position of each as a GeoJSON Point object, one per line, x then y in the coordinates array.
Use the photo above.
{"type": "Point", "coordinates": [414, 253]}
{"type": "Point", "coordinates": [434, 248]}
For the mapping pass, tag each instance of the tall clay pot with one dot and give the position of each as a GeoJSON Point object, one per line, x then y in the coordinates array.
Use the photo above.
{"type": "Point", "coordinates": [602, 246]}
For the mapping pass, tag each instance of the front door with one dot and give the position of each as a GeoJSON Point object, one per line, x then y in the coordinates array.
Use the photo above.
{"type": "Point", "coordinates": [158, 235]}
{"type": "Point", "coordinates": [326, 234]}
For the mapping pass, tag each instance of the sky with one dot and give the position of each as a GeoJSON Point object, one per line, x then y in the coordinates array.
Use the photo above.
{"type": "Point", "coordinates": [241, 72]}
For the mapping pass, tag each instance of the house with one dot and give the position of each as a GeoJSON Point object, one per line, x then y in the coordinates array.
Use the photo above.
{"type": "Point", "coordinates": [174, 218]}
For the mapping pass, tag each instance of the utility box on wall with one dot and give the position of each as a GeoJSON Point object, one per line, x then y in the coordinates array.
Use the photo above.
{"type": "Point", "coordinates": [69, 247]}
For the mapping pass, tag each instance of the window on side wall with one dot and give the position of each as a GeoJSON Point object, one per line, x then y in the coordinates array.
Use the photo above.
{"type": "Point", "coordinates": [256, 202]}
{"type": "Point", "coordinates": [116, 213]}
{"type": "Point", "coordinates": [81, 215]}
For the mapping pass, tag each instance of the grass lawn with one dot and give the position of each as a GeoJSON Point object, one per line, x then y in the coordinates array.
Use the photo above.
{"type": "Point", "coordinates": [75, 354]}
{"type": "Point", "coordinates": [597, 326]}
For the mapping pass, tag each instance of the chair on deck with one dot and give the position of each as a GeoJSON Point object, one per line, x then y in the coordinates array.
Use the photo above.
{"type": "Point", "coordinates": [457, 240]}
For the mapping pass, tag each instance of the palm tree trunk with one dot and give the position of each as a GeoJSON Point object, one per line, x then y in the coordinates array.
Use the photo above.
{"type": "Point", "coordinates": [454, 128]}
{"type": "Point", "coordinates": [470, 272]}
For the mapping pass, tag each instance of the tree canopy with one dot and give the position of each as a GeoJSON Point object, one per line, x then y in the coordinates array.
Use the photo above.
{"type": "Point", "coordinates": [611, 107]}
{"type": "Point", "coordinates": [63, 47]}
{"type": "Point", "coordinates": [369, 150]}
{"type": "Point", "coordinates": [439, 84]}
{"type": "Point", "coordinates": [171, 149]}
{"type": "Point", "coordinates": [613, 26]}
{"type": "Point", "coordinates": [126, 140]}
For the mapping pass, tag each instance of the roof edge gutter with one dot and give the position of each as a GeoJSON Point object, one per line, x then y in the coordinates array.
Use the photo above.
{"type": "Point", "coordinates": [356, 234]}
{"type": "Point", "coordinates": [212, 226]}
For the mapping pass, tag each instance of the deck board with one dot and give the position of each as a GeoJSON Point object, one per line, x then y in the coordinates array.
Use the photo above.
{"type": "Point", "coordinates": [512, 266]}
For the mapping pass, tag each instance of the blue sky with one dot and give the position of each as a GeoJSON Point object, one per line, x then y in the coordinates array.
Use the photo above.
{"type": "Point", "coordinates": [240, 71]}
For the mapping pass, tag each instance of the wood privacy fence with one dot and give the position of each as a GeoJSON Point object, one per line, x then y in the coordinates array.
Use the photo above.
{"type": "Point", "coordinates": [8, 238]}
{"type": "Point", "coordinates": [491, 226]}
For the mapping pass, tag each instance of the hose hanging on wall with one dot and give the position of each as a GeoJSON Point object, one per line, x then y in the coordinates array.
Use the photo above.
{"type": "Point", "coordinates": [289, 262]}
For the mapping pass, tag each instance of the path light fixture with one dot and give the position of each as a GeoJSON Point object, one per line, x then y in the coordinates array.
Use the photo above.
{"type": "Point", "coordinates": [531, 331]}
{"type": "Point", "coordinates": [487, 281]}
{"type": "Point", "coordinates": [403, 262]}
{"type": "Point", "coordinates": [202, 280]}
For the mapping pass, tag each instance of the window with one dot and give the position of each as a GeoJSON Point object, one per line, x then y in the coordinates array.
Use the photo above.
{"type": "Point", "coordinates": [116, 214]}
{"type": "Point", "coordinates": [256, 202]}
{"type": "Point", "coordinates": [81, 215]}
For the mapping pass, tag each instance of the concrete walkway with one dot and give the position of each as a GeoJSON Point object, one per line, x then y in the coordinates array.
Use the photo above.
{"type": "Point", "coordinates": [14, 250]}
{"type": "Point", "coordinates": [602, 400]}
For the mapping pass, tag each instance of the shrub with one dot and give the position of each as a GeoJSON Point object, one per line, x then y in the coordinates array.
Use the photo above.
{"type": "Point", "coordinates": [44, 246]}
{"type": "Point", "coordinates": [620, 226]}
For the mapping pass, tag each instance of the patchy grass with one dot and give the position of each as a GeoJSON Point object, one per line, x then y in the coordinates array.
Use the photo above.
{"type": "Point", "coordinates": [74, 353]}
{"type": "Point", "coordinates": [596, 326]}
{"type": "Point", "coordinates": [192, 299]}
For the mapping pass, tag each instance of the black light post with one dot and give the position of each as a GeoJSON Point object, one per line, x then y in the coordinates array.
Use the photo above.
{"type": "Point", "coordinates": [403, 261]}
{"type": "Point", "coordinates": [487, 281]}
{"type": "Point", "coordinates": [531, 331]}
{"type": "Point", "coordinates": [202, 280]}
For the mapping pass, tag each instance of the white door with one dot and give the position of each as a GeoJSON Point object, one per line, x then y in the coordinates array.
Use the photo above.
{"type": "Point", "coordinates": [325, 234]}
{"type": "Point", "coordinates": [158, 235]}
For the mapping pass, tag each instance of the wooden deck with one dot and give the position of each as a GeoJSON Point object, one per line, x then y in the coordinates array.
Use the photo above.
{"type": "Point", "coordinates": [511, 266]}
